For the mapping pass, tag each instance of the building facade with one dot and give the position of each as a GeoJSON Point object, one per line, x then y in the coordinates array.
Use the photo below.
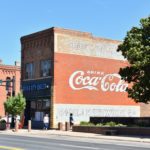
{"type": "Point", "coordinates": [8, 72]}
{"type": "Point", "coordinates": [66, 71]}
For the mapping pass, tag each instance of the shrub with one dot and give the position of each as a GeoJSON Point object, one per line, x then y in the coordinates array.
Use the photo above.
{"type": "Point", "coordinates": [107, 124]}
{"type": "Point", "coordinates": [120, 125]}
{"type": "Point", "coordinates": [110, 124]}
{"type": "Point", "coordinates": [84, 123]}
{"type": "Point", "coordinates": [100, 124]}
{"type": "Point", "coordinates": [2, 124]}
{"type": "Point", "coordinates": [114, 124]}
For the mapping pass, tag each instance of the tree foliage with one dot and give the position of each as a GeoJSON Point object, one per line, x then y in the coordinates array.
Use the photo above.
{"type": "Point", "coordinates": [136, 49]}
{"type": "Point", "coordinates": [15, 105]}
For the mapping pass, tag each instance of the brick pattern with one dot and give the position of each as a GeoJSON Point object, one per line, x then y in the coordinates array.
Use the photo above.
{"type": "Point", "coordinates": [85, 44]}
{"type": "Point", "coordinates": [8, 71]}
{"type": "Point", "coordinates": [36, 47]}
{"type": "Point", "coordinates": [82, 34]}
{"type": "Point", "coordinates": [45, 44]}
{"type": "Point", "coordinates": [145, 110]}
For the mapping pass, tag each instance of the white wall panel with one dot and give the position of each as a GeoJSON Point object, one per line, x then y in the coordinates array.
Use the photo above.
{"type": "Point", "coordinates": [83, 112]}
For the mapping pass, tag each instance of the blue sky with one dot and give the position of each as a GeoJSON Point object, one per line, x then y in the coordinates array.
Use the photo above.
{"type": "Point", "coordinates": [103, 18]}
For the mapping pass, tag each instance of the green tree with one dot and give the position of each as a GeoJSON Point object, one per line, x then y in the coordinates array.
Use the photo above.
{"type": "Point", "coordinates": [136, 49]}
{"type": "Point", "coordinates": [15, 105]}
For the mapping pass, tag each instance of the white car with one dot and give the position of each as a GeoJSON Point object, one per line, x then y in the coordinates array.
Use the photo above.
{"type": "Point", "coordinates": [4, 118]}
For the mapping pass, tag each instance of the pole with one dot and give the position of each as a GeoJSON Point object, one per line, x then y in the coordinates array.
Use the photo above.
{"type": "Point", "coordinates": [29, 125]}
{"type": "Point", "coordinates": [16, 125]}
{"type": "Point", "coordinates": [7, 123]}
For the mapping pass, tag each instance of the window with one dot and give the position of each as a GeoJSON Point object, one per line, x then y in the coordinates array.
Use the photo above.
{"type": "Point", "coordinates": [45, 68]}
{"type": "Point", "coordinates": [33, 104]}
{"type": "Point", "coordinates": [39, 108]}
{"type": "Point", "coordinates": [8, 84]}
{"type": "Point", "coordinates": [29, 71]}
{"type": "Point", "coordinates": [39, 105]}
{"type": "Point", "coordinates": [46, 104]}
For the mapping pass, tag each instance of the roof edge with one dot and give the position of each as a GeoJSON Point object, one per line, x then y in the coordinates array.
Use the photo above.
{"type": "Point", "coordinates": [69, 32]}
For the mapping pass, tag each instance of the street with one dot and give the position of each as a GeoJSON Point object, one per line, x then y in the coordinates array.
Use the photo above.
{"type": "Point", "coordinates": [13, 142]}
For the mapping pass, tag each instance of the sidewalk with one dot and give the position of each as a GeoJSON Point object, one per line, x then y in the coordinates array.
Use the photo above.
{"type": "Point", "coordinates": [48, 133]}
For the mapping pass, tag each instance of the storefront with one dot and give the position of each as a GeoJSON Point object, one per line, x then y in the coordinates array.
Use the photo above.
{"type": "Point", "coordinates": [37, 93]}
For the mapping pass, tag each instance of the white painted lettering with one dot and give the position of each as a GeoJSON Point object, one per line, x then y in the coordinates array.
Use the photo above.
{"type": "Point", "coordinates": [107, 82]}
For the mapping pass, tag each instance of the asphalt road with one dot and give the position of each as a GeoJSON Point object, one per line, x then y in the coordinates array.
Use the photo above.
{"type": "Point", "coordinates": [13, 142]}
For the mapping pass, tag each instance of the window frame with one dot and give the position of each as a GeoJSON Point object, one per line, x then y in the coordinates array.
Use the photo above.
{"type": "Point", "coordinates": [46, 70]}
{"type": "Point", "coordinates": [30, 72]}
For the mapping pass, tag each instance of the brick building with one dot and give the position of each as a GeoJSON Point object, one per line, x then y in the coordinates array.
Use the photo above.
{"type": "Point", "coordinates": [66, 71]}
{"type": "Point", "coordinates": [8, 72]}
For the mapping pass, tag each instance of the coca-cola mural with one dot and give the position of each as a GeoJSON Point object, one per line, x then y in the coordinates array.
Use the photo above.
{"type": "Point", "coordinates": [89, 80]}
{"type": "Point", "coordinates": [99, 81]}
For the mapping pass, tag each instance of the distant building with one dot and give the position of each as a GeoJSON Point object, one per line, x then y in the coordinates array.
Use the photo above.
{"type": "Point", "coordinates": [8, 72]}
{"type": "Point", "coordinates": [66, 71]}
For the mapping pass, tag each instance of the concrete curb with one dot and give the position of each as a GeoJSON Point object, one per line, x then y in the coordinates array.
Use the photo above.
{"type": "Point", "coordinates": [48, 133]}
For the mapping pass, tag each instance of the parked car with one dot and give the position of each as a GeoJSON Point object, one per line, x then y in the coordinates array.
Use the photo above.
{"type": "Point", "coordinates": [3, 121]}
{"type": "Point", "coordinates": [3, 118]}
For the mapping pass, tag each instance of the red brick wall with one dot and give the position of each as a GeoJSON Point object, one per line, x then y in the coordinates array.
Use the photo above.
{"type": "Point", "coordinates": [145, 110]}
{"type": "Point", "coordinates": [67, 64]}
{"type": "Point", "coordinates": [36, 47]}
{"type": "Point", "coordinates": [8, 71]}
